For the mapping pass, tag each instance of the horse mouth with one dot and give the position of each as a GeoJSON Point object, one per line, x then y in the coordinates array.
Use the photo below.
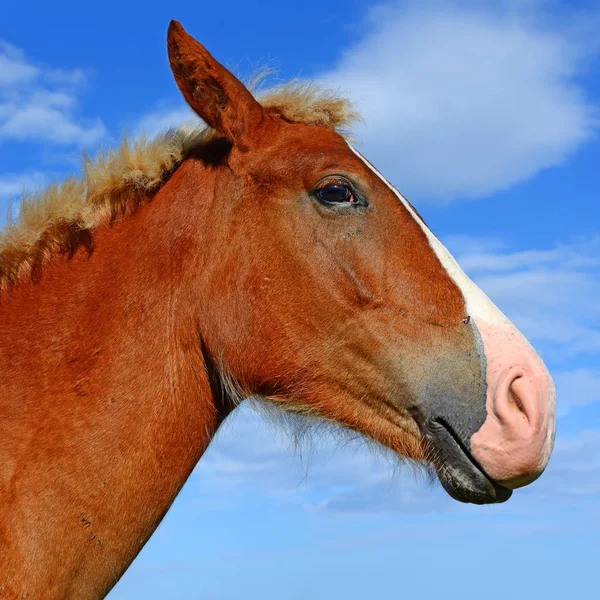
{"type": "Point", "coordinates": [458, 472]}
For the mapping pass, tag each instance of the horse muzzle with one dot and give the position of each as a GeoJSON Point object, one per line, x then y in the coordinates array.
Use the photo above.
{"type": "Point", "coordinates": [481, 460]}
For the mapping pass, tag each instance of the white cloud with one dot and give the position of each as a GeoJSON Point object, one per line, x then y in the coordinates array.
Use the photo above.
{"type": "Point", "coordinates": [163, 118]}
{"type": "Point", "coordinates": [578, 387]}
{"type": "Point", "coordinates": [49, 124]}
{"type": "Point", "coordinates": [551, 294]}
{"type": "Point", "coordinates": [483, 255]}
{"type": "Point", "coordinates": [574, 469]}
{"type": "Point", "coordinates": [14, 69]}
{"type": "Point", "coordinates": [13, 184]}
{"type": "Point", "coordinates": [322, 475]}
{"type": "Point", "coordinates": [40, 104]}
{"type": "Point", "coordinates": [251, 456]}
{"type": "Point", "coordinates": [460, 101]}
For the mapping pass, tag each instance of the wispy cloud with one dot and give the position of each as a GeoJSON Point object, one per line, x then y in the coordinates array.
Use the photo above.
{"type": "Point", "coordinates": [551, 294]}
{"type": "Point", "coordinates": [163, 118]}
{"type": "Point", "coordinates": [14, 69]}
{"type": "Point", "coordinates": [321, 475]}
{"type": "Point", "coordinates": [574, 469]}
{"type": "Point", "coordinates": [249, 455]}
{"type": "Point", "coordinates": [578, 387]}
{"type": "Point", "coordinates": [39, 103]}
{"type": "Point", "coordinates": [463, 99]}
{"type": "Point", "coordinates": [13, 184]}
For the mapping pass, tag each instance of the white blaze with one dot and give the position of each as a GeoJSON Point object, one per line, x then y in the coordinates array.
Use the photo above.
{"type": "Point", "coordinates": [504, 345]}
{"type": "Point", "coordinates": [478, 305]}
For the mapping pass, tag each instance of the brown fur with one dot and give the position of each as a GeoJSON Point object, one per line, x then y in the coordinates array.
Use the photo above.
{"type": "Point", "coordinates": [121, 360]}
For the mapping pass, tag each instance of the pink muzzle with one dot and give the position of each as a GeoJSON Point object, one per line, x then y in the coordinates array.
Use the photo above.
{"type": "Point", "coordinates": [514, 444]}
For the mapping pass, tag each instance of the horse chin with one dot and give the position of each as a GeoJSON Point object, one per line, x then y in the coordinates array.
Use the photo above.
{"type": "Point", "coordinates": [459, 474]}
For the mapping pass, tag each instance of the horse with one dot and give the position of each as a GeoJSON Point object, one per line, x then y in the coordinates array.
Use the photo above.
{"type": "Point", "coordinates": [259, 256]}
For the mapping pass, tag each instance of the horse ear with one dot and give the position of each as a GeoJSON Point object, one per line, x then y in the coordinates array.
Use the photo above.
{"type": "Point", "coordinates": [210, 89]}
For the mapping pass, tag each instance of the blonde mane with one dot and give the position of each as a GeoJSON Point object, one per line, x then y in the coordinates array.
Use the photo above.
{"type": "Point", "coordinates": [61, 218]}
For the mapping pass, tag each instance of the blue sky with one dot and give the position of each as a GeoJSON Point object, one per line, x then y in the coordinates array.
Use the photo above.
{"type": "Point", "coordinates": [486, 115]}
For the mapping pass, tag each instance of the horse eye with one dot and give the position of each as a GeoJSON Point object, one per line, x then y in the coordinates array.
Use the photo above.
{"type": "Point", "coordinates": [335, 193]}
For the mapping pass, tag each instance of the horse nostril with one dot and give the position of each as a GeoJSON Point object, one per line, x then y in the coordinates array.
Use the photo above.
{"type": "Point", "coordinates": [522, 397]}
{"type": "Point", "coordinates": [515, 398]}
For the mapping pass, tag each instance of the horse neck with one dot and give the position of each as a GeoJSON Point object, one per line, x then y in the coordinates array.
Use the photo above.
{"type": "Point", "coordinates": [106, 399]}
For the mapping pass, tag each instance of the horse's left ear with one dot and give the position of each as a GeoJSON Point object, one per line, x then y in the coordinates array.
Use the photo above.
{"type": "Point", "coordinates": [210, 89]}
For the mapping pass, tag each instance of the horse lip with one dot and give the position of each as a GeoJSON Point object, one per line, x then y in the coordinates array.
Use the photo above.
{"type": "Point", "coordinates": [458, 472]}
